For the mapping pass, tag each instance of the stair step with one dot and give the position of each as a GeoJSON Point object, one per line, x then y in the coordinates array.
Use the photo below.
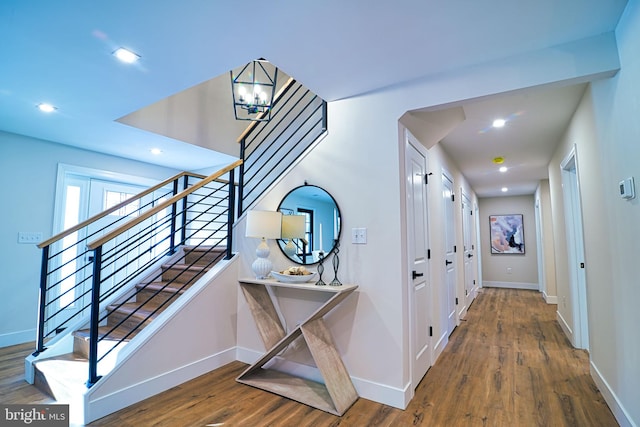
{"type": "Point", "coordinates": [134, 315]}
{"type": "Point", "coordinates": [81, 339]}
{"type": "Point", "coordinates": [180, 273]}
{"type": "Point", "coordinates": [61, 377]}
{"type": "Point", "coordinates": [203, 255]}
{"type": "Point", "coordinates": [159, 292]}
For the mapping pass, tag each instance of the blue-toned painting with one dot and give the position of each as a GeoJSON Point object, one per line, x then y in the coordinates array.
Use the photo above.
{"type": "Point", "coordinates": [507, 234]}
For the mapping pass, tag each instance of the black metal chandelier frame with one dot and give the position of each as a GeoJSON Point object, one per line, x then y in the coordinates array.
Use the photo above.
{"type": "Point", "coordinates": [253, 90]}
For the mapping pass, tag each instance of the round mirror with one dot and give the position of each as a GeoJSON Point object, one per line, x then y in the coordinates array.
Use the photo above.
{"type": "Point", "coordinates": [310, 224]}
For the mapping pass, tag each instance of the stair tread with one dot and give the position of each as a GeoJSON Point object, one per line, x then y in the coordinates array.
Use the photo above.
{"type": "Point", "coordinates": [204, 248]}
{"type": "Point", "coordinates": [185, 267]}
{"type": "Point", "coordinates": [116, 335]}
{"type": "Point", "coordinates": [162, 286]}
{"type": "Point", "coordinates": [136, 310]}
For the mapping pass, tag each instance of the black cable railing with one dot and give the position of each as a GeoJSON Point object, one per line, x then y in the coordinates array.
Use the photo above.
{"type": "Point", "coordinates": [200, 217]}
{"type": "Point", "coordinates": [98, 262]}
{"type": "Point", "coordinates": [66, 268]}
{"type": "Point", "coordinates": [268, 149]}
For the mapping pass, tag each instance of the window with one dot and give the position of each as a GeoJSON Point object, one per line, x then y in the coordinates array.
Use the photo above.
{"type": "Point", "coordinates": [308, 231]}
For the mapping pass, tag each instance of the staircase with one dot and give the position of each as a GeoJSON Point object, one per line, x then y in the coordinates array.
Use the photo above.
{"type": "Point", "coordinates": [115, 302]}
{"type": "Point", "coordinates": [61, 376]}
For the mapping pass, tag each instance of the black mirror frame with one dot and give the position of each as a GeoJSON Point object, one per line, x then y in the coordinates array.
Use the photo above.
{"type": "Point", "coordinates": [281, 242]}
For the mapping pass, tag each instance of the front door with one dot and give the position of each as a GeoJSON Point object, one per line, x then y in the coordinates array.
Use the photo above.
{"type": "Point", "coordinates": [104, 195]}
{"type": "Point", "coordinates": [420, 294]}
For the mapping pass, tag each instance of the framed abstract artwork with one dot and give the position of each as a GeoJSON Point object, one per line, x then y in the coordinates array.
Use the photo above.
{"type": "Point", "coordinates": [507, 234]}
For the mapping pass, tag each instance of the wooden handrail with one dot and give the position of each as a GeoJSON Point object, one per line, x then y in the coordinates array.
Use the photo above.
{"type": "Point", "coordinates": [277, 96]}
{"type": "Point", "coordinates": [96, 217]}
{"type": "Point", "coordinates": [135, 221]}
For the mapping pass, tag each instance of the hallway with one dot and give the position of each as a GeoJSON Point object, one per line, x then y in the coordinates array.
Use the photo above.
{"type": "Point", "coordinates": [508, 364]}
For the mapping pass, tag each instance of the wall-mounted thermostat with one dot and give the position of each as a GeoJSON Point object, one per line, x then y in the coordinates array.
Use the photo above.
{"type": "Point", "coordinates": [627, 188]}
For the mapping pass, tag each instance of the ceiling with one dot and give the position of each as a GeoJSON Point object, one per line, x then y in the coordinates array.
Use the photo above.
{"type": "Point", "coordinates": [61, 52]}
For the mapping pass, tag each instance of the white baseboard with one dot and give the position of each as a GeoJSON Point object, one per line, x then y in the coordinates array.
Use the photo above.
{"type": "Point", "coordinates": [550, 299]}
{"type": "Point", "coordinates": [619, 412]}
{"type": "Point", "coordinates": [381, 393]}
{"type": "Point", "coordinates": [15, 338]}
{"type": "Point", "coordinates": [565, 326]}
{"type": "Point", "coordinates": [511, 285]}
{"type": "Point", "coordinates": [439, 347]}
{"type": "Point", "coordinates": [122, 398]}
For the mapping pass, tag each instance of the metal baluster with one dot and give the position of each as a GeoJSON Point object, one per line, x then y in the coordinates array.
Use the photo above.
{"type": "Point", "coordinates": [95, 314]}
{"type": "Point", "coordinates": [43, 301]}
{"type": "Point", "coordinates": [230, 215]}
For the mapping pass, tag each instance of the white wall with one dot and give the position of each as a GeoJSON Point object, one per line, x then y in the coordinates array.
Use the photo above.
{"type": "Point", "coordinates": [605, 131]}
{"type": "Point", "coordinates": [524, 267]}
{"type": "Point", "coordinates": [358, 163]}
{"type": "Point", "coordinates": [28, 169]}
{"type": "Point", "coordinates": [543, 195]}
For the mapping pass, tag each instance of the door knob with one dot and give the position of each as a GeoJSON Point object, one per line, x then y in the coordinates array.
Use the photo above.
{"type": "Point", "coordinates": [447, 262]}
{"type": "Point", "coordinates": [415, 274]}
{"type": "Point", "coordinates": [469, 255]}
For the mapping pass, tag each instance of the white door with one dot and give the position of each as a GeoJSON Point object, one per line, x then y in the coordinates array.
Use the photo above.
{"type": "Point", "coordinates": [449, 250]}
{"type": "Point", "coordinates": [420, 294]}
{"type": "Point", "coordinates": [575, 246]}
{"type": "Point", "coordinates": [540, 244]}
{"type": "Point", "coordinates": [468, 250]}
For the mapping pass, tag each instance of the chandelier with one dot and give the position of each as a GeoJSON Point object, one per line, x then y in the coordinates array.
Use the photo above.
{"type": "Point", "coordinates": [253, 89]}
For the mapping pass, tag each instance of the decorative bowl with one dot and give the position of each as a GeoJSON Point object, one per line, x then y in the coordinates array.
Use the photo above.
{"type": "Point", "coordinates": [290, 278]}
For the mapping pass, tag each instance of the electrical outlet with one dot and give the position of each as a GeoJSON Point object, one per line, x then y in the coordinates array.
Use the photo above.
{"type": "Point", "coordinates": [359, 236]}
{"type": "Point", "coordinates": [29, 237]}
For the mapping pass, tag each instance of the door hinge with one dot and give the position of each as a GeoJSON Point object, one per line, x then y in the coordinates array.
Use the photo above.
{"type": "Point", "coordinates": [466, 293]}
{"type": "Point", "coordinates": [453, 198]}
{"type": "Point", "coordinates": [456, 301]}
{"type": "Point", "coordinates": [454, 248]}
{"type": "Point", "coordinates": [428, 253]}
{"type": "Point", "coordinates": [430, 331]}
{"type": "Point", "coordinates": [582, 265]}
{"type": "Point", "coordinates": [474, 281]}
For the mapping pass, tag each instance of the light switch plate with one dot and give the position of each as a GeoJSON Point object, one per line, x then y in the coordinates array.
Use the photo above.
{"type": "Point", "coordinates": [29, 237]}
{"type": "Point", "coordinates": [359, 236]}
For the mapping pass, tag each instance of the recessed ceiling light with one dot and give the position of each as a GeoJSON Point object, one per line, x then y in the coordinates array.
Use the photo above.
{"type": "Point", "coordinates": [46, 108]}
{"type": "Point", "coordinates": [505, 189]}
{"type": "Point", "coordinates": [503, 169]}
{"type": "Point", "coordinates": [498, 123]}
{"type": "Point", "coordinates": [156, 151]}
{"type": "Point", "coordinates": [125, 55]}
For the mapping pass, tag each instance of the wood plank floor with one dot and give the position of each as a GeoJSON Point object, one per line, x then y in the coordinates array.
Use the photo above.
{"type": "Point", "coordinates": [507, 364]}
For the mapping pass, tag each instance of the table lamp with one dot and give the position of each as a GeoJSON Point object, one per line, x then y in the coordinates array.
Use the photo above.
{"type": "Point", "coordinates": [263, 225]}
{"type": "Point", "coordinates": [293, 227]}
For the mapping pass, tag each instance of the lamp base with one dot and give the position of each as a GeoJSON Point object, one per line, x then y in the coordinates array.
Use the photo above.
{"type": "Point", "coordinates": [262, 265]}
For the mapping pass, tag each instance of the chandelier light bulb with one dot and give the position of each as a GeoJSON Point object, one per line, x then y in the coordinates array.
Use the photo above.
{"type": "Point", "coordinates": [242, 94]}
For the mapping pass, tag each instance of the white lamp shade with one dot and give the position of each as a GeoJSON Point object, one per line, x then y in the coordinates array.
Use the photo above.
{"type": "Point", "coordinates": [264, 224]}
{"type": "Point", "coordinates": [293, 226]}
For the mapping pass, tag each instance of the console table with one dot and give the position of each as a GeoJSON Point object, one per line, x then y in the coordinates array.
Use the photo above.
{"type": "Point", "coordinates": [337, 394]}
